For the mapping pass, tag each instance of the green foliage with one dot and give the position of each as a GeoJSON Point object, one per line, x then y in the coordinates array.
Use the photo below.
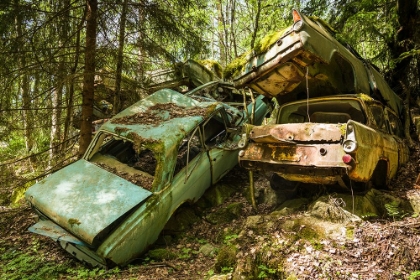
{"type": "Point", "coordinates": [228, 240]}
{"type": "Point", "coordinates": [414, 275]}
{"type": "Point", "coordinates": [185, 253]}
{"type": "Point", "coordinates": [17, 265]}
{"type": "Point", "coordinates": [393, 209]}
{"type": "Point", "coordinates": [266, 272]}
{"type": "Point", "coordinates": [411, 53]}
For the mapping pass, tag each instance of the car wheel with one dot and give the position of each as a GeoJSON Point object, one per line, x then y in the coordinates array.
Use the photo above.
{"type": "Point", "coordinates": [379, 176]}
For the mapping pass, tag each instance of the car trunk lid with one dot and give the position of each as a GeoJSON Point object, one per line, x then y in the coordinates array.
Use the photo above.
{"type": "Point", "coordinates": [297, 132]}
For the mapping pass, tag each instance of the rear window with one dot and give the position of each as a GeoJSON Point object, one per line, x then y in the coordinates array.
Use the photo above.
{"type": "Point", "coordinates": [322, 111]}
{"type": "Point", "coordinates": [120, 157]}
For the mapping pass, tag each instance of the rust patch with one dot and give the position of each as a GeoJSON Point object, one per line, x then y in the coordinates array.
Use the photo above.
{"type": "Point", "coordinates": [120, 130]}
{"type": "Point", "coordinates": [160, 112]}
{"type": "Point", "coordinates": [297, 132]}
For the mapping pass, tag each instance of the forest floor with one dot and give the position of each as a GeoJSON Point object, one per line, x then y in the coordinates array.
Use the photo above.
{"type": "Point", "coordinates": [375, 249]}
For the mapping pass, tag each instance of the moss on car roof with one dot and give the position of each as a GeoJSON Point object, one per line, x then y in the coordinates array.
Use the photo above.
{"type": "Point", "coordinates": [166, 116]}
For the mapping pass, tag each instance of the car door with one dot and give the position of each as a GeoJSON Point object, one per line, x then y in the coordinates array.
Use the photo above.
{"type": "Point", "coordinates": [192, 174]}
{"type": "Point", "coordinates": [215, 135]}
{"type": "Point", "coordinates": [397, 129]}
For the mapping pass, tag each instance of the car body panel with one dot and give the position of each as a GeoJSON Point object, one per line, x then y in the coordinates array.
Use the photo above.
{"type": "Point", "coordinates": [52, 230]}
{"type": "Point", "coordinates": [308, 56]}
{"type": "Point", "coordinates": [167, 131]}
{"type": "Point", "coordinates": [60, 195]}
{"type": "Point", "coordinates": [312, 152]}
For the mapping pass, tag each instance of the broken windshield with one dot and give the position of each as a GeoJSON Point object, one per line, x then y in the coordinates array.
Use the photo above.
{"type": "Point", "coordinates": [120, 157]}
{"type": "Point", "coordinates": [322, 111]}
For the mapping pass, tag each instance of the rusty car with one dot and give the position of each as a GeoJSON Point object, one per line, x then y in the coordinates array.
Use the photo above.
{"type": "Point", "coordinates": [165, 150]}
{"type": "Point", "coordinates": [307, 60]}
{"type": "Point", "coordinates": [352, 141]}
{"type": "Point", "coordinates": [336, 119]}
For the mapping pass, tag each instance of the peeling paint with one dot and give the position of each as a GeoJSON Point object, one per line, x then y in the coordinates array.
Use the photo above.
{"type": "Point", "coordinates": [313, 152]}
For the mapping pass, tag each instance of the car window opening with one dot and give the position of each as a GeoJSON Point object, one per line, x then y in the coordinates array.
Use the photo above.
{"type": "Point", "coordinates": [189, 148]}
{"type": "Point", "coordinates": [322, 112]}
{"type": "Point", "coordinates": [119, 157]}
{"type": "Point", "coordinates": [214, 131]}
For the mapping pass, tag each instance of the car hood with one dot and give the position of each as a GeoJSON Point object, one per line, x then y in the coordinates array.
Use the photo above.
{"type": "Point", "coordinates": [86, 200]}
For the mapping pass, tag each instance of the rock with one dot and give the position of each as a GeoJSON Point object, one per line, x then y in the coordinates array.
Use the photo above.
{"type": "Point", "coordinates": [226, 258]}
{"type": "Point", "coordinates": [331, 209]}
{"type": "Point", "coordinates": [290, 206]}
{"type": "Point", "coordinates": [221, 277]}
{"type": "Point", "coordinates": [182, 219]}
{"type": "Point", "coordinates": [216, 195]}
{"type": "Point", "coordinates": [413, 197]}
{"type": "Point", "coordinates": [207, 250]}
{"type": "Point", "coordinates": [161, 254]}
{"type": "Point", "coordinates": [225, 215]}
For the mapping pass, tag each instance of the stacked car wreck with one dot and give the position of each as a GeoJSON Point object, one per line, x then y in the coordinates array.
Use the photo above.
{"type": "Point", "coordinates": [108, 207]}
{"type": "Point", "coordinates": [342, 123]}
{"type": "Point", "coordinates": [336, 122]}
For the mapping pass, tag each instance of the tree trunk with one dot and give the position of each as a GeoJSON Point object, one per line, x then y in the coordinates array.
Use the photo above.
{"type": "Point", "coordinates": [256, 26]}
{"type": "Point", "coordinates": [89, 77]}
{"type": "Point", "coordinates": [222, 41]}
{"type": "Point", "coordinates": [140, 63]}
{"type": "Point", "coordinates": [24, 82]}
{"type": "Point", "coordinates": [73, 71]}
{"type": "Point", "coordinates": [120, 58]}
{"type": "Point", "coordinates": [405, 41]}
{"type": "Point", "coordinates": [232, 28]}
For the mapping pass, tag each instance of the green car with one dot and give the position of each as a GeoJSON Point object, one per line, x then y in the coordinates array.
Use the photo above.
{"type": "Point", "coordinates": [167, 149]}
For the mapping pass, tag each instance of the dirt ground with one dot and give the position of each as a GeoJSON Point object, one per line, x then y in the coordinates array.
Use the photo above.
{"type": "Point", "coordinates": [377, 249]}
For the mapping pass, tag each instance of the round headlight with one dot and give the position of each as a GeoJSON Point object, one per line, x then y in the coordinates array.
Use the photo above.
{"type": "Point", "coordinates": [349, 146]}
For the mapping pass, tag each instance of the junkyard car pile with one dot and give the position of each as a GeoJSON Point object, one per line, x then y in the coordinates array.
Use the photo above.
{"type": "Point", "coordinates": [167, 149]}
{"type": "Point", "coordinates": [336, 122]}
{"type": "Point", "coordinates": [323, 137]}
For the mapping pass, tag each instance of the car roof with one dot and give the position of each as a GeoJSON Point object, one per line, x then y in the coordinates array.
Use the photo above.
{"type": "Point", "coordinates": [165, 117]}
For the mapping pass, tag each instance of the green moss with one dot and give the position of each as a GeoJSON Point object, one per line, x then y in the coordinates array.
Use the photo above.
{"type": "Point", "coordinates": [213, 65]}
{"type": "Point", "coordinates": [343, 129]}
{"type": "Point", "coordinates": [236, 66]}
{"type": "Point", "coordinates": [265, 43]}
{"type": "Point", "coordinates": [19, 193]}
{"type": "Point", "coordinates": [262, 46]}
{"type": "Point", "coordinates": [325, 24]}
{"type": "Point", "coordinates": [161, 254]}
{"type": "Point", "coordinates": [350, 232]}
{"type": "Point", "coordinates": [226, 258]}
{"type": "Point", "coordinates": [306, 232]}
{"type": "Point", "coordinates": [225, 215]}
{"type": "Point", "coordinates": [364, 97]}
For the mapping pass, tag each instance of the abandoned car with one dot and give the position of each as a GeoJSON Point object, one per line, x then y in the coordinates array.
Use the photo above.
{"type": "Point", "coordinates": [349, 140]}
{"type": "Point", "coordinates": [306, 59]}
{"type": "Point", "coordinates": [167, 149]}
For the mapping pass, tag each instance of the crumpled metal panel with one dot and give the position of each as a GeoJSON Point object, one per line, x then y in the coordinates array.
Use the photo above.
{"type": "Point", "coordinates": [48, 228]}
{"type": "Point", "coordinates": [85, 199]}
{"type": "Point", "coordinates": [290, 133]}
{"type": "Point", "coordinates": [154, 125]}
{"type": "Point", "coordinates": [312, 57]}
